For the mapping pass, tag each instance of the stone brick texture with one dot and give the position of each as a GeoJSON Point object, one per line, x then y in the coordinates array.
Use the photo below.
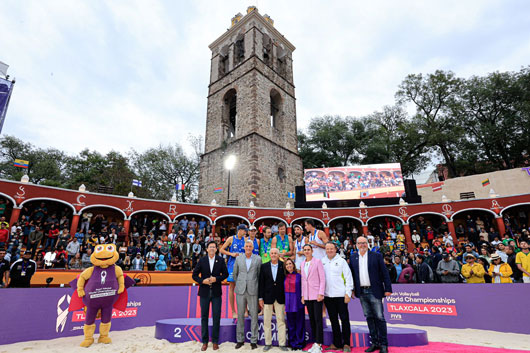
{"type": "Point", "coordinates": [267, 156]}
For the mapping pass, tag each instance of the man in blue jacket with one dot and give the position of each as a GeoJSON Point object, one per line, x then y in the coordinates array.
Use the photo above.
{"type": "Point", "coordinates": [371, 284]}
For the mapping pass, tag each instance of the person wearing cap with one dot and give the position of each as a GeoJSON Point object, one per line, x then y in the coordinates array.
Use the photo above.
{"type": "Point", "coordinates": [232, 248]}
{"type": "Point", "coordinates": [499, 271]}
{"type": "Point", "coordinates": [299, 244]}
{"type": "Point", "coordinates": [21, 271]}
{"type": "Point", "coordinates": [448, 269]}
{"type": "Point", "coordinates": [283, 242]}
{"type": "Point", "coordinates": [252, 231]}
{"type": "Point", "coordinates": [469, 250]}
{"type": "Point", "coordinates": [473, 272]}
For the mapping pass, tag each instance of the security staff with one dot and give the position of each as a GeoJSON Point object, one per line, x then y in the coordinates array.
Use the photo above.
{"type": "Point", "coordinates": [21, 271]}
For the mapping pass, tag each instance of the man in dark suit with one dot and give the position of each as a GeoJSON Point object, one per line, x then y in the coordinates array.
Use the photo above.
{"type": "Point", "coordinates": [371, 284]}
{"type": "Point", "coordinates": [209, 273]}
{"type": "Point", "coordinates": [272, 294]}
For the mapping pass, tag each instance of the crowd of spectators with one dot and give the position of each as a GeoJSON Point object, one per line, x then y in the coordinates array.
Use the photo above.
{"type": "Point", "coordinates": [480, 255]}
{"type": "Point", "coordinates": [316, 182]}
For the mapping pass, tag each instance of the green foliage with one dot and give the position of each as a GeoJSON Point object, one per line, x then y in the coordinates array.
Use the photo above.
{"type": "Point", "coordinates": [161, 168]}
{"type": "Point", "coordinates": [45, 165]}
{"type": "Point", "coordinates": [474, 125]}
{"type": "Point", "coordinates": [158, 168]}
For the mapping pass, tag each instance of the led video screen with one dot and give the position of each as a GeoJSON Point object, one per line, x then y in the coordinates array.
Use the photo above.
{"type": "Point", "coordinates": [355, 182]}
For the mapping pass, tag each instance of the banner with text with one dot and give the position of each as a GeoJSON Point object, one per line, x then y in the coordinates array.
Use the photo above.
{"type": "Point", "coordinates": [42, 313]}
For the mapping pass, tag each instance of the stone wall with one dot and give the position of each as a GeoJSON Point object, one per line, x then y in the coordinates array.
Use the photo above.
{"type": "Point", "coordinates": [258, 162]}
{"type": "Point", "coordinates": [261, 149]}
{"type": "Point", "coordinates": [504, 183]}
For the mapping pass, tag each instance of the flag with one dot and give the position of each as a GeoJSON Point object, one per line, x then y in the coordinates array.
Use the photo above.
{"type": "Point", "coordinates": [486, 182]}
{"type": "Point", "coordinates": [365, 194]}
{"type": "Point", "coordinates": [253, 194]}
{"type": "Point", "coordinates": [21, 163]}
{"type": "Point", "coordinates": [326, 194]}
{"type": "Point", "coordinates": [217, 190]}
{"type": "Point", "coordinates": [290, 195]}
{"type": "Point", "coordinates": [137, 182]}
{"type": "Point", "coordinates": [437, 188]}
{"type": "Point", "coordinates": [180, 187]}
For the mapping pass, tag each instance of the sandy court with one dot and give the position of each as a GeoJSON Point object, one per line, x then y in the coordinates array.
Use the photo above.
{"type": "Point", "coordinates": [141, 339]}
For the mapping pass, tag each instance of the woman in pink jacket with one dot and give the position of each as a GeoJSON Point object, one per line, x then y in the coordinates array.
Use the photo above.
{"type": "Point", "coordinates": [313, 286]}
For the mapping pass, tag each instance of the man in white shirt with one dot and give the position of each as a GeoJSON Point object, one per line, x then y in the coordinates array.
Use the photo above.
{"type": "Point", "coordinates": [371, 240]}
{"type": "Point", "coordinates": [372, 284]}
{"type": "Point", "coordinates": [337, 295]}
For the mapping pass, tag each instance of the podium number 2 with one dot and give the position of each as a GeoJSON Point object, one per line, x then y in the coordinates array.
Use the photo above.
{"type": "Point", "coordinates": [177, 332]}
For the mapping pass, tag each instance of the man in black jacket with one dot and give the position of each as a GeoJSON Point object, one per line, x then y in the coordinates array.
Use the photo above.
{"type": "Point", "coordinates": [423, 270]}
{"type": "Point", "coordinates": [209, 273]}
{"type": "Point", "coordinates": [272, 294]}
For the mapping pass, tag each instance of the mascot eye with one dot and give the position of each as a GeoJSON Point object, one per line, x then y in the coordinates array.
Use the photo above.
{"type": "Point", "coordinates": [99, 248]}
{"type": "Point", "coordinates": [110, 248]}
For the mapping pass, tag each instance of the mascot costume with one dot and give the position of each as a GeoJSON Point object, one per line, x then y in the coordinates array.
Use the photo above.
{"type": "Point", "coordinates": [100, 289]}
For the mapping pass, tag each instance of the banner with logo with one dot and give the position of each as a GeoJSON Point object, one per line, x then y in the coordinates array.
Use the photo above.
{"type": "Point", "coordinates": [42, 313]}
{"type": "Point", "coordinates": [477, 306]}
{"type": "Point", "coordinates": [6, 87]}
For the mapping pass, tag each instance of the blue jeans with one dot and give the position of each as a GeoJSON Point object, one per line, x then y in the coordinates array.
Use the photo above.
{"type": "Point", "coordinates": [373, 311]}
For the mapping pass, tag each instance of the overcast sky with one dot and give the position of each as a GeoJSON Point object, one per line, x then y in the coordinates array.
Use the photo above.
{"type": "Point", "coordinates": [115, 75]}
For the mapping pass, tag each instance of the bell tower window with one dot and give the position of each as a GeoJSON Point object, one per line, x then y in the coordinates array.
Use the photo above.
{"type": "Point", "coordinates": [276, 101]}
{"type": "Point", "coordinates": [239, 49]}
{"type": "Point", "coordinates": [223, 61]}
{"type": "Point", "coordinates": [267, 50]}
{"type": "Point", "coordinates": [230, 113]}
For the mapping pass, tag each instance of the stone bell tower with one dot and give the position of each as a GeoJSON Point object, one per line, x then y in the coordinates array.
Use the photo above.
{"type": "Point", "coordinates": [251, 115]}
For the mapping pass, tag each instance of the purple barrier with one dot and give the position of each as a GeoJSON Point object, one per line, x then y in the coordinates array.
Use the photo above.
{"type": "Point", "coordinates": [477, 306]}
{"type": "Point", "coordinates": [41, 313]}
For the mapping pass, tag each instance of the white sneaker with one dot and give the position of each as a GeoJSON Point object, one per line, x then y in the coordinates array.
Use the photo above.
{"type": "Point", "coordinates": [315, 348]}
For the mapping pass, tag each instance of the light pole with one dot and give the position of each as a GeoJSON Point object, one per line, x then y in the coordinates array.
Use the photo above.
{"type": "Point", "coordinates": [230, 162]}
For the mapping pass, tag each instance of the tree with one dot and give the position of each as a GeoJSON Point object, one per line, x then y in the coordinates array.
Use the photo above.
{"type": "Point", "coordinates": [94, 169]}
{"type": "Point", "coordinates": [45, 165]}
{"type": "Point", "coordinates": [161, 168]}
{"type": "Point", "coordinates": [489, 110]}
{"type": "Point", "coordinates": [394, 138]}
{"type": "Point", "coordinates": [332, 141]}
{"type": "Point", "coordinates": [434, 96]}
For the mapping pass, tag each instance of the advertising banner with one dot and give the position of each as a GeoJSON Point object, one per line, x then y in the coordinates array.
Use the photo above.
{"type": "Point", "coordinates": [477, 306]}
{"type": "Point", "coordinates": [355, 182]}
{"type": "Point", "coordinates": [42, 313]}
{"type": "Point", "coordinates": [6, 87]}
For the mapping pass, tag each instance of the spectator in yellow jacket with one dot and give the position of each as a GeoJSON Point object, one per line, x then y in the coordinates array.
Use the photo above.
{"type": "Point", "coordinates": [499, 271]}
{"type": "Point", "coordinates": [472, 271]}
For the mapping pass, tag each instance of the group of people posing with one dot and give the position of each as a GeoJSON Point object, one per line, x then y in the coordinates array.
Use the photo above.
{"type": "Point", "coordinates": [285, 276]}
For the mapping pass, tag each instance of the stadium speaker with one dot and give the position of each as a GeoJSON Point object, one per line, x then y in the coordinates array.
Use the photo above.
{"type": "Point", "coordinates": [410, 188]}
{"type": "Point", "coordinates": [299, 193]}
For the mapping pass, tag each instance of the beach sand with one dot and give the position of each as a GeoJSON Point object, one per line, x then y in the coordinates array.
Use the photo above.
{"type": "Point", "coordinates": [141, 339]}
